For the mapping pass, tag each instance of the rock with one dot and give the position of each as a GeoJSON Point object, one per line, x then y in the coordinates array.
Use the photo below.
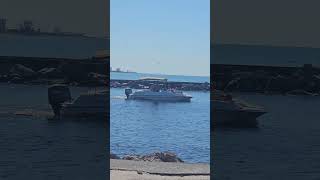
{"type": "Point", "coordinates": [46, 70]}
{"type": "Point", "coordinates": [280, 84]}
{"type": "Point", "coordinates": [300, 92]}
{"type": "Point", "coordinates": [232, 85]}
{"type": "Point", "coordinates": [22, 70]}
{"type": "Point", "coordinates": [184, 86]}
{"type": "Point", "coordinates": [96, 79]}
{"type": "Point", "coordinates": [162, 157]}
{"type": "Point", "coordinates": [132, 157]}
{"type": "Point", "coordinates": [97, 75]}
{"type": "Point", "coordinates": [16, 79]}
{"type": "Point", "coordinates": [50, 72]}
{"type": "Point", "coordinates": [114, 156]}
{"type": "Point", "coordinates": [155, 157]}
{"type": "Point", "coordinates": [246, 78]}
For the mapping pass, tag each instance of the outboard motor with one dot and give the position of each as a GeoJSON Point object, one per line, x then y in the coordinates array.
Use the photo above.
{"type": "Point", "coordinates": [128, 91]}
{"type": "Point", "coordinates": [58, 94]}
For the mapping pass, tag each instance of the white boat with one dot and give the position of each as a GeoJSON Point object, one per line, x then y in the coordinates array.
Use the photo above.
{"type": "Point", "coordinates": [233, 112]}
{"type": "Point", "coordinates": [91, 104]}
{"type": "Point", "coordinates": [94, 104]}
{"type": "Point", "coordinates": [157, 95]}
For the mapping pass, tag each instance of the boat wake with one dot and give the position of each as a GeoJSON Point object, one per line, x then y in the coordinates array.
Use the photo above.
{"type": "Point", "coordinates": [37, 112]}
{"type": "Point", "coordinates": [118, 97]}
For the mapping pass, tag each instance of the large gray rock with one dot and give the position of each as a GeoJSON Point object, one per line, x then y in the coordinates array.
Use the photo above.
{"type": "Point", "coordinates": [22, 71]}
{"type": "Point", "coordinates": [155, 157]}
{"type": "Point", "coordinates": [132, 157]}
{"type": "Point", "coordinates": [50, 72]}
{"type": "Point", "coordinates": [114, 156]}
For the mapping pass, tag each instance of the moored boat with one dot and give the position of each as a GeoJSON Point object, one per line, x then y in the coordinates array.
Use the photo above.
{"type": "Point", "coordinates": [155, 94]}
{"type": "Point", "coordinates": [89, 105]}
{"type": "Point", "coordinates": [229, 111]}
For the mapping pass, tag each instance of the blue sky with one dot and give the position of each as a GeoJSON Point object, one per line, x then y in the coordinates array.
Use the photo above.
{"type": "Point", "coordinates": [161, 36]}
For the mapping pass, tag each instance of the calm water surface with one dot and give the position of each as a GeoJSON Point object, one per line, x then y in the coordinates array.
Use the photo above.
{"type": "Point", "coordinates": [38, 149]}
{"type": "Point", "coordinates": [286, 145]}
{"type": "Point", "coordinates": [140, 127]}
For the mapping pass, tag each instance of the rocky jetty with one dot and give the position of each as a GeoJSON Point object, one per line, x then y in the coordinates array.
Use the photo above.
{"type": "Point", "coordinates": [76, 72]}
{"type": "Point", "coordinates": [303, 80]}
{"type": "Point", "coordinates": [114, 156]}
{"type": "Point", "coordinates": [153, 157]}
{"type": "Point", "coordinates": [140, 84]}
{"type": "Point", "coordinates": [30, 70]}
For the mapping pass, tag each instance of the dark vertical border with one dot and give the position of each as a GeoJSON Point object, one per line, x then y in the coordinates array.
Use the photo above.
{"type": "Point", "coordinates": [107, 145]}
{"type": "Point", "coordinates": [108, 122]}
{"type": "Point", "coordinates": [108, 88]}
{"type": "Point", "coordinates": [211, 90]}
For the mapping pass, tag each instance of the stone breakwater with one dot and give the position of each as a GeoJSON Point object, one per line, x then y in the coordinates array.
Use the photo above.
{"type": "Point", "coordinates": [30, 70]}
{"type": "Point", "coordinates": [304, 80]}
{"type": "Point", "coordinates": [153, 157]}
{"type": "Point", "coordinates": [138, 84]}
{"type": "Point", "coordinates": [75, 72]}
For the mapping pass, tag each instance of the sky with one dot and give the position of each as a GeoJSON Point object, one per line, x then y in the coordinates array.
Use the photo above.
{"type": "Point", "coordinates": [266, 22]}
{"type": "Point", "coordinates": [83, 16]}
{"type": "Point", "coordinates": [161, 36]}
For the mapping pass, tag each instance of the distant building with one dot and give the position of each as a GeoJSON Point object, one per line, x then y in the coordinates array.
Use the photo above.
{"type": "Point", "coordinates": [37, 43]}
{"type": "Point", "coordinates": [27, 26]}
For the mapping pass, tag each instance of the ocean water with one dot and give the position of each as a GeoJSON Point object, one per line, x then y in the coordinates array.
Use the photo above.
{"type": "Point", "coordinates": [38, 148]}
{"type": "Point", "coordinates": [178, 78]}
{"type": "Point", "coordinates": [285, 145]}
{"type": "Point", "coordinates": [142, 127]}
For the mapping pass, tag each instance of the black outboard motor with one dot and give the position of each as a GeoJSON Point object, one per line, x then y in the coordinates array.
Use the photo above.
{"type": "Point", "coordinates": [128, 91]}
{"type": "Point", "coordinates": [58, 94]}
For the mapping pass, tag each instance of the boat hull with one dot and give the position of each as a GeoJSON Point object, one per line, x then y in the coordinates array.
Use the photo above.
{"type": "Point", "coordinates": [83, 112]}
{"type": "Point", "coordinates": [161, 99]}
{"type": "Point", "coordinates": [88, 107]}
{"type": "Point", "coordinates": [239, 118]}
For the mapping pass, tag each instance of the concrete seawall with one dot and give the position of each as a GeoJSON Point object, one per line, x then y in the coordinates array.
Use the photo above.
{"type": "Point", "coordinates": [129, 170]}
